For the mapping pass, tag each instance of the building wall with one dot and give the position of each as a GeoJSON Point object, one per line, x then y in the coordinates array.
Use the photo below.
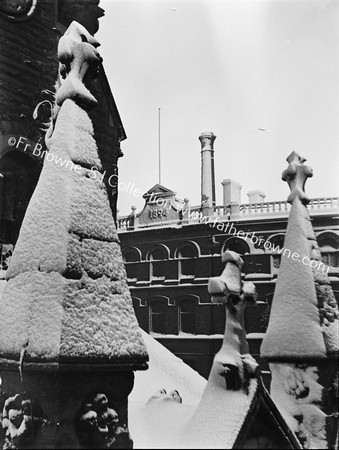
{"type": "Point", "coordinates": [176, 307]}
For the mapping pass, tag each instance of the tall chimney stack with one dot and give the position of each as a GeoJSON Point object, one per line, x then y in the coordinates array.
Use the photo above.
{"type": "Point", "coordinates": [207, 168]}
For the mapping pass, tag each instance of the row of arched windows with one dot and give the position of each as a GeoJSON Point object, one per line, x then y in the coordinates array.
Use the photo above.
{"type": "Point", "coordinates": [160, 252]}
{"type": "Point", "coordinates": [189, 251]}
{"type": "Point", "coordinates": [185, 254]}
{"type": "Point", "coordinates": [158, 310]}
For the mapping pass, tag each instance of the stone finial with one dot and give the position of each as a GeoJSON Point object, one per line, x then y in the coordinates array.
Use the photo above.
{"type": "Point", "coordinates": [296, 175]}
{"type": "Point", "coordinates": [233, 359]}
{"type": "Point", "coordinates": [79, 62]}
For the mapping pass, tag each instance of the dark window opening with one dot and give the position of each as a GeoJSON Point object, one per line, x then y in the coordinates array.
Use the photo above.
{"type": "Point", "coordinates": [330, 258]}
{"type": "Point", "coordinates": [187, 266]}
{"type": "Point", "coordinates": [187, 317]}
{"type": "Point", "coordinates": [157, 316]}
{"type": "Point", "coordinates": [131, 255]}
{"type": "Point", "coordinates": [158, 267]}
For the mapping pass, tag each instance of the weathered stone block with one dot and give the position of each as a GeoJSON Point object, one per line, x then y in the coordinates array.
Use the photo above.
{"type": "Point", "coordinates": [97, 314]}
{"type": "Point", "coordinates": [103, 258]}
{"type": "Point", "coordinates": [90, 213]}
{"type": "Point", "coordinates": [31, 314]}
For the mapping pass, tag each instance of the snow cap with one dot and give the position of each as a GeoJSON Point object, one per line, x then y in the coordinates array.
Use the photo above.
{"type": "Point", "coordinates": [294, 331]}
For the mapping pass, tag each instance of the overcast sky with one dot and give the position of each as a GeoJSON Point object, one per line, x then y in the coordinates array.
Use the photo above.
{"type": "Point", "coordinates": [230, 67]}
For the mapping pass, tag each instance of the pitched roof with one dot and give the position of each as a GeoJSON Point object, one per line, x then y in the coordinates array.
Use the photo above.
{"type": "Point", "coordinates": [227, 419]}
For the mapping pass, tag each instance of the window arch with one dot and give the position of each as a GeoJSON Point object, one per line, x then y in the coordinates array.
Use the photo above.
{"type": "Point", "coordinates": [329, 247]}
{"type": "Point", "coordinates": [158, 255]}
{"type": "Point", "coordinates": [131, 254]}
{"type": "Point", "coordinates": [187, 253]}
{"type": "Point", "coordinates": [277, 242]}
{"type": "Point", "coordinates": [131, 257]}
{"type": "Point", "coordinates": [236, 245]}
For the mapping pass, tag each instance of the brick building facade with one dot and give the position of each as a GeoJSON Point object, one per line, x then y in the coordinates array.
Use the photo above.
{"type": "Point", "coordinates": [171, 250]}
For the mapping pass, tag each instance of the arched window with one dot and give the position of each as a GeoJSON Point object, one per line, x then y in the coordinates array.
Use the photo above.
{"type": "Point", "coordinates": [329, 247]}
{"type": "Point", "coordinates": [277, 244]}
{"type": "Point", "coordinates": [131, 257]}
{"type": "Point", "coordinates": [187, 254]}
{"type": "Point", "coordinates": [157, 317]}
{"type": "Point", "coordinates": [187, 313]}
{"type": "Point", "coordinates": [157, 256]}
{"type": "Point", "coordinates": [236, 245]}
{"type": "Point", "coordinates": [131, 254]}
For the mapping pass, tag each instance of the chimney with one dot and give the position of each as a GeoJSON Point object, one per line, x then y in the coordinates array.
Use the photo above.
{"type": "Point", "coordinates": [207, 168]}
{"type": "Point", "coordinates": [231, 192]}
{"type": "Point", "coordinates": [256, 196]}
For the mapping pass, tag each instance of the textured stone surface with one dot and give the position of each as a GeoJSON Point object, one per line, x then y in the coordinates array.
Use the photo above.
{"type": "Point", "coordinates": [295, 295]}
{"type": "Point", "coordinates": [90, 213]}
{"type": "Point", "coordinates": [99, 322]}
{"type": "Point", "coordinates": [31, 313]}
{"type": "Point", "coordinates": [103, 258]}
{"type": "Point", "coordinates": [67, 297]}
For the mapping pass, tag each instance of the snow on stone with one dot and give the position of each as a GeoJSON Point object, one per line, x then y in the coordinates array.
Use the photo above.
{"type": "Point", "coordinates": [295, 295]}
{"type": "Point", "coordinates": [67, 296]}
{"type": "Point", "coordinates": [219, 417]}
{"type": "Point", "coordinates": [166, 371]}
{"type": "Point", "coordinates": [44, 231]}
{"type": "Point", "coordinates": [298, 394]}
{"type": "Point", "coordinates": [159, 422]}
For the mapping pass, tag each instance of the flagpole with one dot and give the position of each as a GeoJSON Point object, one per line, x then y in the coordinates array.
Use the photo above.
{"type": "Point", "coordinates": [159, 146]}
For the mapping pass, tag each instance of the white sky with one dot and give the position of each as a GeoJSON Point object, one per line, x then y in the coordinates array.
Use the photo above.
{"type": "Point", "coordinates": [229, 67]}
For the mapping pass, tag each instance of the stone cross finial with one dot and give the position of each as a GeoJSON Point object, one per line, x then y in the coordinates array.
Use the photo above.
{"type": "Point", "coordinates": [296, 175]}
{"type": "Point", "coordinates": [233, 357]}
{"type": "Point", "coordinates": [79, 62]}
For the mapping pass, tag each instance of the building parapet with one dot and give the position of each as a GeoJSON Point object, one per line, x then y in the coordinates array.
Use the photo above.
{"type": "Point", "coordinates": [316, 206]}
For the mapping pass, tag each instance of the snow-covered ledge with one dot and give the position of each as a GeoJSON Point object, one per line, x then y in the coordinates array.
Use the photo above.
{"type": "Point", "coordinates": [69, 339]}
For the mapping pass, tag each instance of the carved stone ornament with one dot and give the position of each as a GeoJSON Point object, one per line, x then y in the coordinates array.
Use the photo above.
{"type": "Point", "coordinates": [79, 63]}
{"type": "Point", "coordinates": [21, 420]}
{"type": "Point", "coordinates": [296, 175]}
{"type": "Point", "coordinates": [98, 426]}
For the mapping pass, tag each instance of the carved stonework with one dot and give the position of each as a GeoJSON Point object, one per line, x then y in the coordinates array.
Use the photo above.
{"type": "Point", "coordinates": [21, 421]}
{"type": "Point", "coordinates": [298, 394]}
{"type": "Point", "coordinates": [79, 63]}
{"type": "Point", "coordinates": [233, 363]}
{"type": "Point", "coordinates": [5, 257]}
{"type": "Point", "coordinates": [296, 175]}
{"type": "Point", "coordinates": [98, 426]}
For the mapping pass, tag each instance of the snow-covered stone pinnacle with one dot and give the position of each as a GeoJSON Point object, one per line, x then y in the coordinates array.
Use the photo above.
{"type": "Point", "coordinates": [301, 341]}
{"type": "Point", "coordinates": [67, 298]}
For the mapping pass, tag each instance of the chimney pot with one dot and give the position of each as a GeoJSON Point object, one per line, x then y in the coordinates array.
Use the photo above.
{"type": "Point", "coordinates": [256, 196]}
{"type": "Point", "coordinates": [231, 192]}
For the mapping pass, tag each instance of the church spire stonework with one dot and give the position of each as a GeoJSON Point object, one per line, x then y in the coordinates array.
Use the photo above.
{"type": "Point", "coordinates": [69, 339]}
{"type": "Point", "coordinates": [301, 342]}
